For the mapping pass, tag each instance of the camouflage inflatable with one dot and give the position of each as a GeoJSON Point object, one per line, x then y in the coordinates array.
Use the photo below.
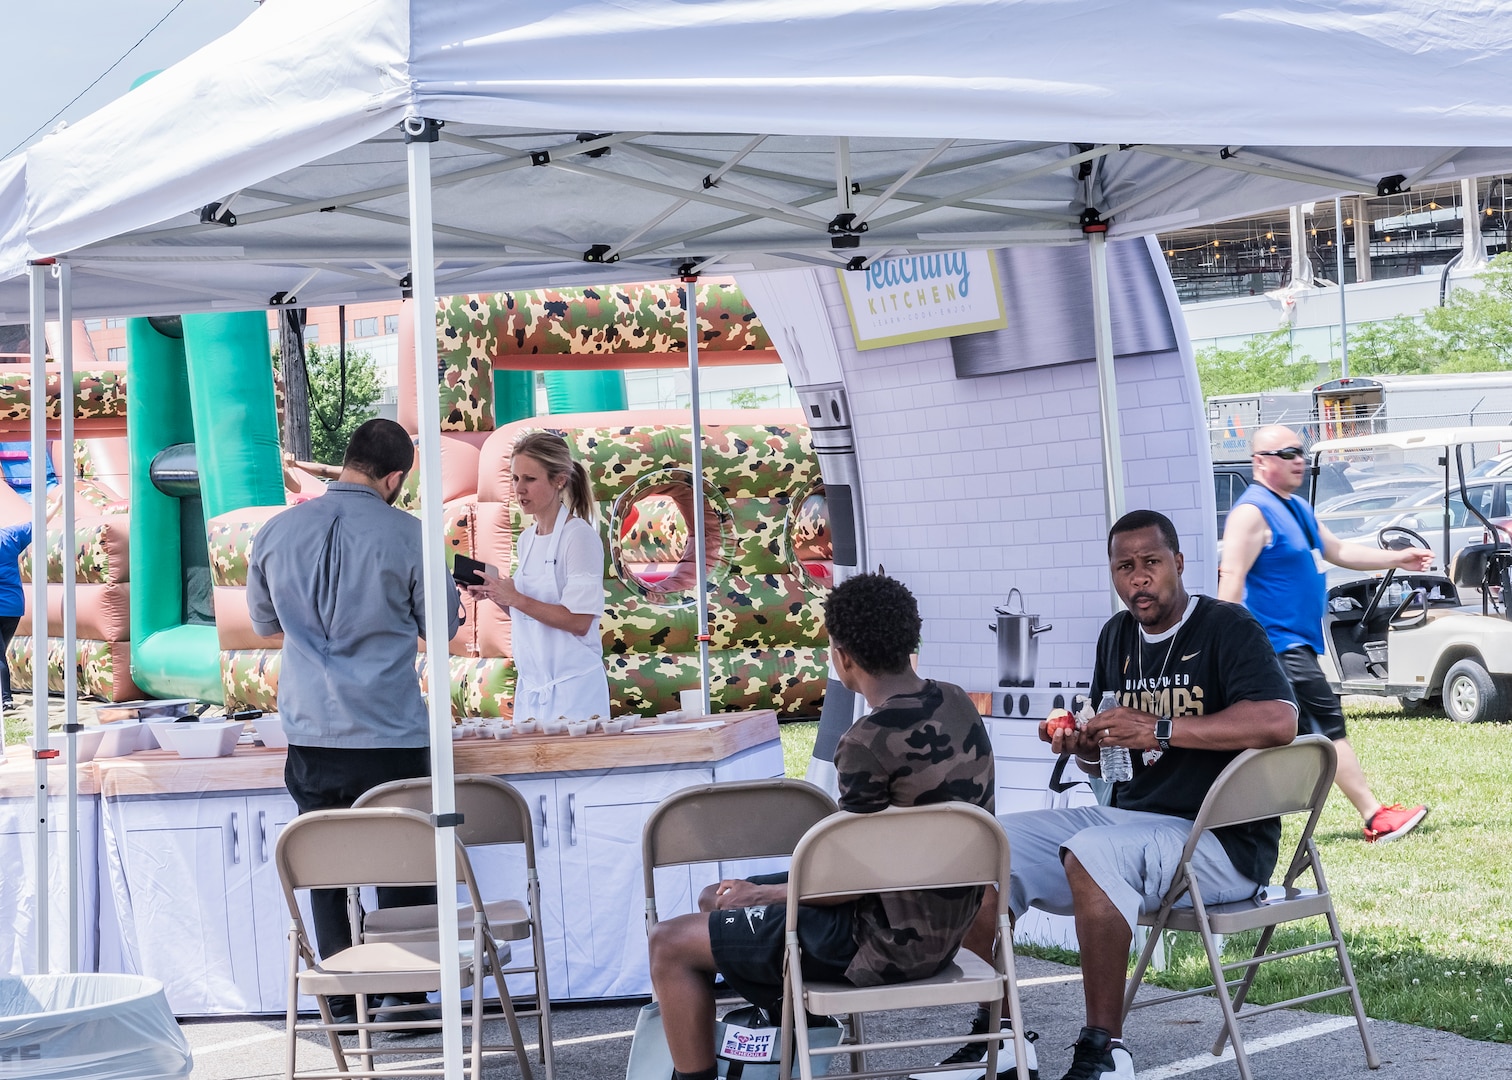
{"type": "Point", "coordinates": [765, 535]}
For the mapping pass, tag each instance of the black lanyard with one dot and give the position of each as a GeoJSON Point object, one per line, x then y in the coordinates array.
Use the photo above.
{"type": "Point", "coordinates": [1312, 539]}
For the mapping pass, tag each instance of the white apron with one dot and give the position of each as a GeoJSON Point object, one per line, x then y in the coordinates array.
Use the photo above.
{"type": "Point", "coordinates": [558, 673]}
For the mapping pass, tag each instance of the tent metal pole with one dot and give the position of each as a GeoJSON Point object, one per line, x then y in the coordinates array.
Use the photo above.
{"type": "Point", "coordinates": [70, 596]}
{"type": "Point", "coordinates": [1339, 259]}
{"type": "Point", "coordinates": [690, 310]}
{"type": "Point", "coordinates": [41, 752]}
{"type": "Point", "coordinates": [1107, 383]}
{"type": "Point", "coordinates": [419, 134]}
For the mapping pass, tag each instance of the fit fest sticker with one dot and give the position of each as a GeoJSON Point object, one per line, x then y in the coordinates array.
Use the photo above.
{"type": "Point", "coordinates": [908, 298]}
{"type": "Point", "coordinates": [749, 1044]}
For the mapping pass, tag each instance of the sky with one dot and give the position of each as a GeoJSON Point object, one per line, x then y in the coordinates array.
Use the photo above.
{"type": "Point", "coordinates": [56, 48]}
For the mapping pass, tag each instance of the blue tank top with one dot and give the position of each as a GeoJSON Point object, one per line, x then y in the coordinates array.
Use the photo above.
{"type": "Point", "coordinates": [1284, 590]}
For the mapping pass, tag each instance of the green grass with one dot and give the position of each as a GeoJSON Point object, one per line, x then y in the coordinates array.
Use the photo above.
{"type": "Point", "coordinates": [1428, 919]}
{"type": "Point", "coordinates": [798, 747]}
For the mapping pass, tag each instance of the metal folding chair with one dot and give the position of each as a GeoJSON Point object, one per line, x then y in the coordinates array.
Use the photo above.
{"type": "Point", "coordinates": [1258, 784]}
{"type": "Point", "coordinates": [383, 847]}
{"type": "Point", "coordinates": [939, 846]}
{"type": "Point", "coordinates": [492, 812]}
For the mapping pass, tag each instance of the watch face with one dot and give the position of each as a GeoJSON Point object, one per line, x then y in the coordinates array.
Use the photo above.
{"type": "Point", "coordinates": [1162, 729]}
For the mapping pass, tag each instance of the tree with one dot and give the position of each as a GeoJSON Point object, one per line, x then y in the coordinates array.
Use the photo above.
{"type": "Point", "coordinates": [1263, 362]}
{"type": "Point", "coordinates": [363, 390]}
{"type": "Point", "coordinates": [1474, 327]}
{"type": "Point", "coordinates": [747, 398]}
{"type": "Point", "coordinates": [1400, 346]}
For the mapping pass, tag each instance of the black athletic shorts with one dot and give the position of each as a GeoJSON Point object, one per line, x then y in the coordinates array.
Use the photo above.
{"type": "Point", "coordinates": [1318, 709]}
{"type": "Point", "coordinates": [747, 945]}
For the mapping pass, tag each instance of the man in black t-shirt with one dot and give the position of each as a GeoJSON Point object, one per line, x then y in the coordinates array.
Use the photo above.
{"type": "Point", "coordinates": [923, 742]}
{"type": "Point", "coordinates": [1197, 682]}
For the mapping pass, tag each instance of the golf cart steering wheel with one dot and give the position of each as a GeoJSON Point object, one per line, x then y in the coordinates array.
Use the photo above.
{"type": "Point", "coordinates": [1388, 539]}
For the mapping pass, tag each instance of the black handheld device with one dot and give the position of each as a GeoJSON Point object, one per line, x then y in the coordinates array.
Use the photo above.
{"type": "Point", "coordinates": [466, 571]}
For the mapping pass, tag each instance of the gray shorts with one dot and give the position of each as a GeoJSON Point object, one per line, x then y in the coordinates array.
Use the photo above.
{"type": "Point", "coordinates": [1132, 855]}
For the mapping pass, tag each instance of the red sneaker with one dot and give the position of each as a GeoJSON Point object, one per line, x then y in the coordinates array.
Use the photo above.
{"type": "Point", "coordinates": [1393, 822]}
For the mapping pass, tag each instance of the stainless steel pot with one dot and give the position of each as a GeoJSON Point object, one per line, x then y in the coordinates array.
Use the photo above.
{"type": "Point", "coordinates": [1018, 642]}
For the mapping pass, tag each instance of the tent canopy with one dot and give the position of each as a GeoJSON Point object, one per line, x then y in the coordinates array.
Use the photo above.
{"type": "Point", "coordinates": [605, 140]}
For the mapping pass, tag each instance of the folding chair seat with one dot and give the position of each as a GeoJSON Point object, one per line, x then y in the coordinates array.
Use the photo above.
{"type": "Point", "coordinates": [1258, 784]}
{"type": "Point", "coordinates": [382, 847]}
{"type": "Point", "coordinates": [493, 813]}
{"type": "Point", "coordinates": [939, 846]}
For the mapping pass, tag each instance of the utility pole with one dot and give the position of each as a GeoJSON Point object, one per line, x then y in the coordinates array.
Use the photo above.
{"type": "Point", "coordinates": [291, 352]}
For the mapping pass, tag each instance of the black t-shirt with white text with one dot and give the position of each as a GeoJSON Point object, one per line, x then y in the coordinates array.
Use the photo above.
{"type": "Point", "coordinates": [1219, 656]}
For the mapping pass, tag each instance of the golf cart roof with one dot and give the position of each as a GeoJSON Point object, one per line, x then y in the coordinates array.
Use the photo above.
{"type": "Point", "coordinates": [1412, 440]}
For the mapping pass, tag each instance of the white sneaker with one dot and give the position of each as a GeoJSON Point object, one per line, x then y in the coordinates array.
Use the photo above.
{"type": "Point", "coordinates": [1099, 1057]}
{"type": "Point", "coordinates": [972, 1058]}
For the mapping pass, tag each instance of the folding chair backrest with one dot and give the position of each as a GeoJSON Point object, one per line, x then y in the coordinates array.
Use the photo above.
{"type": "Point", "coordinates": [748, 819]}
{"type": "Point", "coordinates": [378, 846]}
{"type": "Point", "coordinates": [1273, 782]}
{"type": "Point", "coordinates": [492, 811]}
{"type": "Point", "coordinates": [916, 847]}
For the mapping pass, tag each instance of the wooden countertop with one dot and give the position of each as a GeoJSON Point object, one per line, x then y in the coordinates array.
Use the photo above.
{"type": "Point", "coordinates": [254, 768]}
{"type": "Point", "coordinates": [18, 776]}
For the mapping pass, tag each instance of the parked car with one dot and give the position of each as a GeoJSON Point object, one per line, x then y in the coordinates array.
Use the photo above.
{"type": "Point", "coordinates": [1230, 478]}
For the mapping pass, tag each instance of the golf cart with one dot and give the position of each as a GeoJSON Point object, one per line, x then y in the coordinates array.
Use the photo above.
{"type": "Point", "coordinates": [1416, 636]}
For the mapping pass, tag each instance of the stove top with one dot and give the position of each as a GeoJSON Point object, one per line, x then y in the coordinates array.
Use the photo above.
{"type": "Point", "coordinates": [1034, 702]}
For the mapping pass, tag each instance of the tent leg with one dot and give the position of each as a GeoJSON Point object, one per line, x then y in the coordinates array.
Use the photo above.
{"type": "Point", "coordinates": [690, 309]}
{"type": "Point", "coordinates": [70, 597]}
{"type": "Point", "coordinates": [1107, 383]}
{"type": "Point", "coordinates": [419, 134]}
{"type": "Point", "coordinates": [38, 284]}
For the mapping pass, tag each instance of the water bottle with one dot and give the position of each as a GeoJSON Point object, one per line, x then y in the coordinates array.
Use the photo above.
{"type": "Point", "coordinates": [1115, 760]}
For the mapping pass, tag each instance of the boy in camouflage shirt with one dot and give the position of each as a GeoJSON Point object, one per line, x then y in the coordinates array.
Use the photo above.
{"type": "Point", "coordinates": [923, 742]}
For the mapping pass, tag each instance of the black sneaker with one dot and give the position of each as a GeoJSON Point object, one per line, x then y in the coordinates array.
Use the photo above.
{"type": "Point", "coordinates": [1098, 1056]}
{"type": "Point", "coordinates": [972, 1058]}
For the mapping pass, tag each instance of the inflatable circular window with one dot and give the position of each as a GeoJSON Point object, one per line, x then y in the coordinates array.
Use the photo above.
{"type": "Point", "coordinates": [651, 537]}
{"type": "Point", "coordinates": [812, 543]}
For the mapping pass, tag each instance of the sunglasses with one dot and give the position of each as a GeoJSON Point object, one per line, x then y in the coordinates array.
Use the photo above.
{"type": "Point", "coordinates": [1286, 453]}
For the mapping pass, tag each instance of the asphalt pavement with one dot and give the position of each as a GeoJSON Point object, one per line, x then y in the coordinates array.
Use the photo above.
{"type": "Point", "coordinates": [593, 1041]}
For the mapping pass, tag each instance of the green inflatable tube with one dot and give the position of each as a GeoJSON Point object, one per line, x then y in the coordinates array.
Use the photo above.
{"type": "Point", "coordinates": [585, 391]}
{"type": "Point", "coordinates": [514, 396]}
{"type": "Point", "coordinates": [158, 402]}
{"type": "Point", "coordinates": [235, 415]}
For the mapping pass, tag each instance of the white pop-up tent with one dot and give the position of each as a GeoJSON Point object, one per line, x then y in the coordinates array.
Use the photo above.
{"type": "Point", "coordinates": [604, 141]}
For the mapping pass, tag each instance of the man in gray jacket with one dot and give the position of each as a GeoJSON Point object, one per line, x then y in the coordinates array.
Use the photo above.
{"type": "Point", "coordinates": [341, 577]}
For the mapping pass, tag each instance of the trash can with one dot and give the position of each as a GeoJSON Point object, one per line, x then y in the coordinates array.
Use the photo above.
{"type": "Point", "coordinates": [100, 1027]}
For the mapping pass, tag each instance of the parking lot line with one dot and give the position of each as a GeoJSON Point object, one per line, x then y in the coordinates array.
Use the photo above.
{"type": "Point", "coordinates": [1251, 1046]}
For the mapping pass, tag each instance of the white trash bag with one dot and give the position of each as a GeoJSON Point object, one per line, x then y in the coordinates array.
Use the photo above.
{"type": "Point", "coordinates": [99, 1027]}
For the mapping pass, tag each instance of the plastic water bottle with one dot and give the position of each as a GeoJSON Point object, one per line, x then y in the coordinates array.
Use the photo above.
{"type": "Point", "coordinates": [1116, 763]}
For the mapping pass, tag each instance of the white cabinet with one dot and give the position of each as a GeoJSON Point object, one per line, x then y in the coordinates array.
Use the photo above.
{"type": "Point", "coordinates": [198, 894]}
{"type": "Point", "coordinates": [19, 892]}
{"type": "Point", "coordinates": [587, 837]}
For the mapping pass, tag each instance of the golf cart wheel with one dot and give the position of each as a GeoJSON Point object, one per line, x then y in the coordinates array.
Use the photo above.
{"type": "Point", "coordinates": [1471, 695]}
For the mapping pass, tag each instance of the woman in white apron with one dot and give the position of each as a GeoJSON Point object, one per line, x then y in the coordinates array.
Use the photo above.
{"type": "Point", "coordinates": [556, 597]}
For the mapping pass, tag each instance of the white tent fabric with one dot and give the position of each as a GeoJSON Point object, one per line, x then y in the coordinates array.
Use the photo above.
{"type": "Point", "coordinates": [737, 132]}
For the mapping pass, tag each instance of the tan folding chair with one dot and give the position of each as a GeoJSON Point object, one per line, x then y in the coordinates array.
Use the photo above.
{"type": "Point", "coordinates": [746, 819]}
{"type": "Point", "coordinates": [1258, 784]}
{"type": "Point", "coordinates": [383, 847]}
{"type": "Point", "coordinates": [493, 813]}
{"type": "Point", "coordinates": [939, 846]}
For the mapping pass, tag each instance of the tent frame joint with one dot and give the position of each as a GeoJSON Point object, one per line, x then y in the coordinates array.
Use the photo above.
{"type": "Point", "coordinates": [217, 214]}
{"type": "Point", "coordinates": [421, 129]}
{"type": "Point", "coordinates": [601, 253]}
{"type": "Point", "coordinates": [1396, 184]}
{"type": "Point", "coordinates": [845, 231]}
{"type": "Point", "coordinates": [1091, 221]}
{"type": "Point", "coordinates": [688, 272]}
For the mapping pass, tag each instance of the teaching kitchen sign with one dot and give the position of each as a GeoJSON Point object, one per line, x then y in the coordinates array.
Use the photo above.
{"type": "Point", "coordinates": [920, 297]}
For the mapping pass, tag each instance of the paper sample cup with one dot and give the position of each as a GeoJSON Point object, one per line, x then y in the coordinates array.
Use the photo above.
{"type": "Point", "coordinates": [691, 702]}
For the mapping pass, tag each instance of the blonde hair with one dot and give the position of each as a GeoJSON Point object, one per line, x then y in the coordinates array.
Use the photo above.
{"type": "Point", "coordinates": [550, 449]}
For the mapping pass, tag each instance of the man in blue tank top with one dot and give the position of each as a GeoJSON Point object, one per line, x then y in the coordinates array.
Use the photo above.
{"type": "Point", "coordinates": [1274, 556]}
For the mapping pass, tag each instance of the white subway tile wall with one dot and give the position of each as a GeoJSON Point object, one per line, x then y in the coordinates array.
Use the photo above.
{"type": "Point", "coordinates": [976, 486]}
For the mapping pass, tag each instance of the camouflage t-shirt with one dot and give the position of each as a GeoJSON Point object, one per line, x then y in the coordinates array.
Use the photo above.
{"type": "Point", "coordinates": [928, 747]}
